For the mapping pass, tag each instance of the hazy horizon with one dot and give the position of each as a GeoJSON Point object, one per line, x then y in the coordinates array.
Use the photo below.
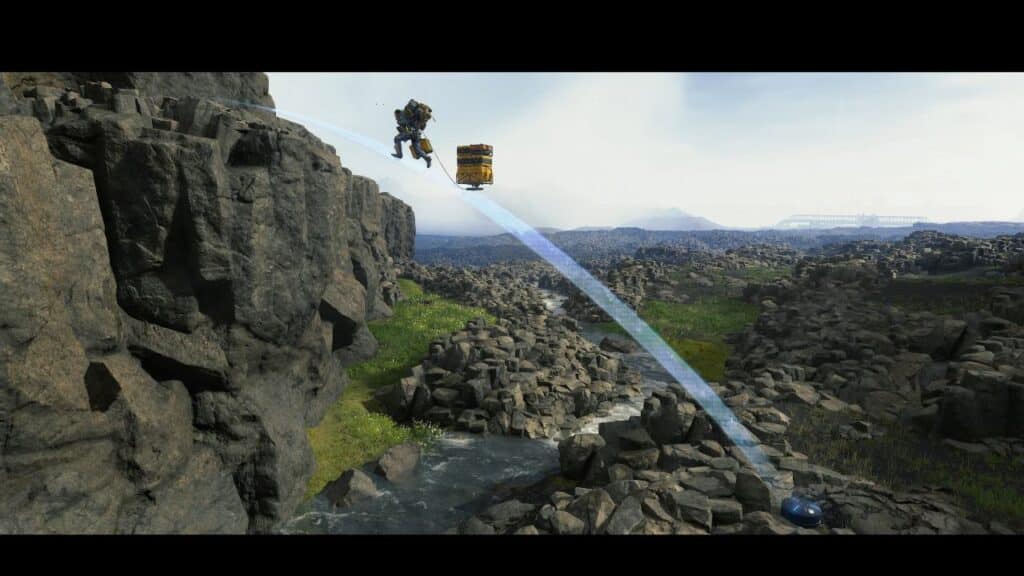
{"type": "Point", "coordinates": [742, 150]}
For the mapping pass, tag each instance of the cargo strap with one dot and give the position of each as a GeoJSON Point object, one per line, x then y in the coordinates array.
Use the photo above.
{"type": "Point", "coordinates": [438, 156]}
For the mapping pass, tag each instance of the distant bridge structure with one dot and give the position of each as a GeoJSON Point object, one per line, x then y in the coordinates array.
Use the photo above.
{"type": "Point", "coordinates": [821, 221]}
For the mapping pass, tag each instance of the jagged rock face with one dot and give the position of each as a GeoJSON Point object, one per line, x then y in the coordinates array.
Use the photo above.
{"type": "Point", "coordinates": [176, 318]}
{"type": "Point", "coordinates": [7, 102]}
{"type": "Point", "coordinates": [247, 87]}
{"type": "Point", "coordinates": [378, 219]}
{"type": "Point", "coordinates": [91, 441]}
{"type": "Point", "coordinates": [242, 86]}
{"type": "Point", "coordinates": [399, 221]}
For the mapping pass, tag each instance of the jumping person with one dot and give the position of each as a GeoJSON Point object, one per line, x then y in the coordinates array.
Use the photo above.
{"type": "Point", "coordinates": [411, 120]}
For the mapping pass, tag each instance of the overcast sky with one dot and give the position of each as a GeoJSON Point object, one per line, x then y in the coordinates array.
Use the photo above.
{"type": "Point", "coordinates": [742, 150]}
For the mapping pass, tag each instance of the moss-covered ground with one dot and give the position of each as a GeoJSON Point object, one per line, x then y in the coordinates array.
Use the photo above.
{"type": "Point", "coordinates": [353, 432]}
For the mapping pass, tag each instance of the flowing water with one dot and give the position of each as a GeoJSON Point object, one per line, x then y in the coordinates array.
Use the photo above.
{"type": "Point", "coordinates": [455, 479]}
{"type": "Point", "coordinates": [461, 474]}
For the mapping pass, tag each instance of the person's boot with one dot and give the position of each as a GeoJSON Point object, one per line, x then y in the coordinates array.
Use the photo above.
{"type": "Point", "coordinates": [398, 150]}
{"type": "Point", "coordinates": [427, 158]}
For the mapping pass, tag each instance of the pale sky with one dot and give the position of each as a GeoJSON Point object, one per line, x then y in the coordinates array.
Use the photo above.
{"type": "Point", "coordinates": [743, 150]}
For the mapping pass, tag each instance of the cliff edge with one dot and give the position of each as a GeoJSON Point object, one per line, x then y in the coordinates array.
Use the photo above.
{"type": "Point", "coordinates": [181, 286]}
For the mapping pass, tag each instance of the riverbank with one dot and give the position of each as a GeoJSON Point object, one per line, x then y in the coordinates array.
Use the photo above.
{"type": "Point", "coordinates": [459, 474]}
{"type": "Point", "coordinates": [670, 470]}
{"type": "Point", "coordinates": [352, 432]}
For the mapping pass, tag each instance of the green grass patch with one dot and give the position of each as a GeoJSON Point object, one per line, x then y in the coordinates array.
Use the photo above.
{"type": "Point", "coordinates": [709, 318]}
{"type": "Point", "coordinates": [990, 487]}
{"type": "Point", "coordinates": [696, 330]}
{"type": "Point", "coordinates": [707, 358]}
{"type": "Point", "coordinates": [351, 432]}
{"type": "Point", "coordinates": [722, 277]}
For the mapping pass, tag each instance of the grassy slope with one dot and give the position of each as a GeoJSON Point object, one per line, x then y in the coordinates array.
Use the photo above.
{"type": "Point", "coordinates": [989, 486]}
{"type": "Point", "coordinates": [351, 433]}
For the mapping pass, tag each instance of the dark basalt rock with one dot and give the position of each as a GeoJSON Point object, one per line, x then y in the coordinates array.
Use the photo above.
{"type": "Point", "coordinates": [616, 343]}
{"type": "Point", "coordinates": [183, 283]}
{"type": "Point", "coordinates": [350, 488]}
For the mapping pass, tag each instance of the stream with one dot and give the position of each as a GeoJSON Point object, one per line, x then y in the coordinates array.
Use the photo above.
{"type": "Point", "coordinates": [461, 474]}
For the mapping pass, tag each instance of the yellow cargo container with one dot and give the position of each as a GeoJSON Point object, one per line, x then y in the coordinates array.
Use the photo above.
{"type": "Point", "coordinates": [425, 144]}
{"type": "Point", "coordinates": [475, 165]}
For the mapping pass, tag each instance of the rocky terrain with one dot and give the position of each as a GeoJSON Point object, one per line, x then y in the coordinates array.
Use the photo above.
{"type": "Point", "coordinates": [531, 374]}
{"type": "Point", "coordinates": [181, 286]}
{"type": "Point", "coordinates": [826, 339]}
{"type": "Point", "coordinates": [661, 272]}
{"type": "Point", "coordinates": [625, 277]}
{"type": "Point", "coordinates": [584, 245]}
{"type": "Point", "coordinates": [960, 376]}
{"type": "Point", "coordinates": [930, 252]}
{"type": "Point", "coordinates": [507, 291]}
{"type": "Point", "coordinates": [669, 471]}
{"type": "Point", "coordinates": [771, 255]}
{"type": "Point", "coordinates": [532, 377]}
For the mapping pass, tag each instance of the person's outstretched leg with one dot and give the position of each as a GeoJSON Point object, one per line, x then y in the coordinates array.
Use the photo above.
{"type": "Point", "coordinates": [398, 145]}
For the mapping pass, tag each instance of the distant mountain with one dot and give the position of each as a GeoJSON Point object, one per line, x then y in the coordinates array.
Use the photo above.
{"type": "Point", "coordinates": [592, 228]}
{"type": "Point", "coordinates": [673, 219]}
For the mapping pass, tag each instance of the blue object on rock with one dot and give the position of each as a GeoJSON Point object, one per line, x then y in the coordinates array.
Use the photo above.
{"type": "Point", "coordinates": [803, 513]}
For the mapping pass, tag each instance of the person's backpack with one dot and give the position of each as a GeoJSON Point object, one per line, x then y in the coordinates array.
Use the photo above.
{"type": "Point", "coordinates": [411, 109]}
{"type": "Point", "coordinates": [415, 114]}
{"type": "Point", "coordinates": [424, 113]}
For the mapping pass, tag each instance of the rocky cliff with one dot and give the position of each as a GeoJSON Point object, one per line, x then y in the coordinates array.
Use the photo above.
{"type": "Point", "coordinates": [181, 286]}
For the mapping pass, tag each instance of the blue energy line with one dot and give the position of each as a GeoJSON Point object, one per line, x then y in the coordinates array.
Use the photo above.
{"type": "Point", "coordinates": [646, 337]}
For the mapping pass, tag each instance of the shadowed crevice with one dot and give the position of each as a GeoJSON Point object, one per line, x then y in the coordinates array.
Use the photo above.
{"type": "Point", "coordinates": [101, 387]}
